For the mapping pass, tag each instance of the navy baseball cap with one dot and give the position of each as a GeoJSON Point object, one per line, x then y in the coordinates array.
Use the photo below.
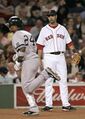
{"type": "Point", "coordinates": [52, 13]}
{"type": "Point", "coordinates": [3, 70]}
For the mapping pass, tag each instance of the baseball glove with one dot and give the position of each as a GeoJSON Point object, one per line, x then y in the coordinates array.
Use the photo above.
{"type": "Point", "coordinates": [76, 59]}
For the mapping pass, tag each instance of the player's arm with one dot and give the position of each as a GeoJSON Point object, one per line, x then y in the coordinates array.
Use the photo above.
{"type": "Point", "coordinates": [40, 54]}
{"type": "Point", "coordinates": [40, 51]}
{"type": "Point", "coordinates": [72, 48]}
{"type": "Point", "coordinates": [18, 58]}
{"type": "Point", "coordinates": [21, 54]}
{"type": "Point", "coordinates": [19, 44]}
{"type": "Point", "coordinates": [69, 43]}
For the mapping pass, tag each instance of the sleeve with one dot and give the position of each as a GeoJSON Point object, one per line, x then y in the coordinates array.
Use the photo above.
{"type": "Point", "coordinates": [19, 45]}
{"type": "Point", "coordinates": [41, 38]}
{"type": "Point", "coordinates": [67, 37]}
{"type": "Point", "coordinates": [40, 47]}
{"type": "Point", "coordinates": [18, 42]}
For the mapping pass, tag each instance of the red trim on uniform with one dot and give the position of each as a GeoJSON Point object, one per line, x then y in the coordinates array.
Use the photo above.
{"type": "Point", "coordinates": [70, 44]}
{"type": "Point", "coordinates": [53, 26]}
{"type": "Point", "coordinates": [40, 47]}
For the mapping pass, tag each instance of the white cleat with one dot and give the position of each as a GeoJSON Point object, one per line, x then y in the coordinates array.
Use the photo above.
{"type": "Point", "coordinates": [52, 74]}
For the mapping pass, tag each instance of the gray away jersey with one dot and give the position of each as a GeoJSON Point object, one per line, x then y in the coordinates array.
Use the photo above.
{"type": "Point", "coordinates": [22, 39]}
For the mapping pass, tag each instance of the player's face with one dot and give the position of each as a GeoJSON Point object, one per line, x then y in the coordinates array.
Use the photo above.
{"type": "Point", "coordinates": [13, 28]}
{"type": "Point", "coordinates": [52, 19]}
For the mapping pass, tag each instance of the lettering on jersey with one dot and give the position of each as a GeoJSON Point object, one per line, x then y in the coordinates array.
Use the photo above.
{"type": "Point", "coordinates": [60, 36]}
{"type": "Point", "coordinates": [49, 37]}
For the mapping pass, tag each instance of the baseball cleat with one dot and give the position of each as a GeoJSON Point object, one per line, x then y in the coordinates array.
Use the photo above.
{"type": "Point", "coordinates": [68, 108]}
{"type": "Point", "coordinates": [52, 74]}
{"type": "Point", "coordinates": [30, 113]}
{"type": "Point", "coordinates": [47, 108]}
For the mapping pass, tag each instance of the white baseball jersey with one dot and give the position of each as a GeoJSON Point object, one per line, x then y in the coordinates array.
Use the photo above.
{"type": "Point", "coordinates": [54, 39]}
{"type": "Point", "coordinates": [21, 39]}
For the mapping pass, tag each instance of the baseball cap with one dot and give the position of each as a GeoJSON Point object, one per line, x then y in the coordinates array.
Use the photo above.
{"type": "Point", "coordinates": [52, 13]}
{"type": "Point", "coordinates": [3, 70]}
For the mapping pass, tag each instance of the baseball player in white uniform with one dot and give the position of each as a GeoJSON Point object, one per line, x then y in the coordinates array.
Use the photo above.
{"type": "Point", "coordinates": [27, 59]}
{"type": "Point", "coordinates": [51, 44]}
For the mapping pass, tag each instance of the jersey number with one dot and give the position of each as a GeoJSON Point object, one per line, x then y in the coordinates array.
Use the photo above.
{"type": "Point", "coordinates": [26, 40]}
{"type": "Point", "coordinates": [32, 40]}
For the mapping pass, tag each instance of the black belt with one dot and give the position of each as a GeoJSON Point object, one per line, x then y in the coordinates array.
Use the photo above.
{"type": "Point", "coordinates": [56, 53]}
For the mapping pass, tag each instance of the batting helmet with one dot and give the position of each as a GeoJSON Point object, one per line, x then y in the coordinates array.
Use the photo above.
{"type": "Point", "coordinates": [14, 20]}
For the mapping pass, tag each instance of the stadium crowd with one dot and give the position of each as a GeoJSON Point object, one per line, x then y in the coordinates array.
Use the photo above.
{"type": "Point", "coordinates": [33, 13]}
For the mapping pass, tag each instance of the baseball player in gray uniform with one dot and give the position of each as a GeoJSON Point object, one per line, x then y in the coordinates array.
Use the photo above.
{"type": "Point", "coordinates": [51, 44]}
{"type": "Point", "coordinates": [27, 59]}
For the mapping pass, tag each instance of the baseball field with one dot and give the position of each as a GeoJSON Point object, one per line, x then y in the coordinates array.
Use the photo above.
{"type": "Point", "coordinates": [55, 114]}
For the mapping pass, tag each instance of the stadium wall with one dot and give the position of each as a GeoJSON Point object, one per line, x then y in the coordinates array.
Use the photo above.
{"type": "Point", "coordinates": [11, 96]}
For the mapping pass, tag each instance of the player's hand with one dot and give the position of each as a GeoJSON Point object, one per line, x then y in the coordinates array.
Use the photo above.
{"type": "Point", "coordinates": [20, 59]}
{"type": "Point", "coordinates": [17, 66]}
{"type": "Point", "coordinates": [15, 57]}
{"type": "Point", "coordinates": [40, 65]}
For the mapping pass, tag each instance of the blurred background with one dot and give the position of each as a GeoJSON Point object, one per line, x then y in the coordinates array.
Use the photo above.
{"type": "Point", "coordinates": [71, 14]}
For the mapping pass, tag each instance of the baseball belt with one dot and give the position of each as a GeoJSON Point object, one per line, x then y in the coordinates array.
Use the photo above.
{"type": "Point", "coordinates": [56, 53]}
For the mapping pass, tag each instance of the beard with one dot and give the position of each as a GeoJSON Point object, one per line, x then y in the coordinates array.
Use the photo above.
{"type": "Point", "coordinates": [52, 21]}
